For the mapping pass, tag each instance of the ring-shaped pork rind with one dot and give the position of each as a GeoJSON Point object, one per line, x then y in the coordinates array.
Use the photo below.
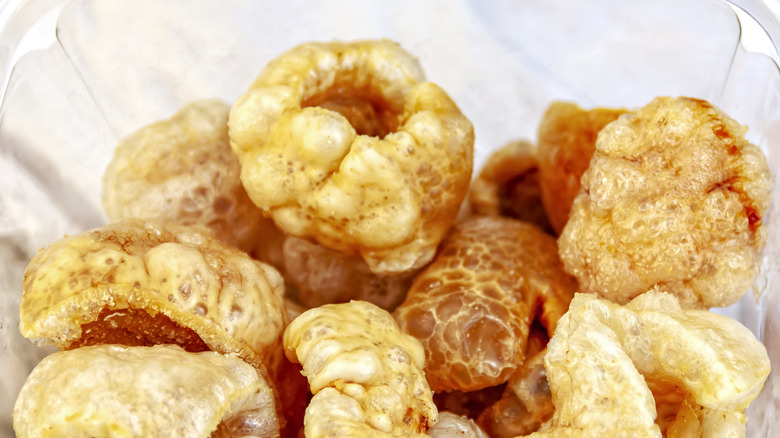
{"type": "Point", "coordinates": [141, 283]}
{"type": "Point", "coordinates": [115, 391]}
{"type": "Point", "coordinates": [472, 307]}
{"type": "Point", "coordinates": [602, 354]}
{"type": "Point", "coordinates": [343, 143]}
{"type": "Point", "coordinates": [183, 170]}
{"type": "Point", "coordinates": [565, 143]}
{"type": "Point", "coordinates": [674, 196]}
{"type": "Point", "coordinates": [366, 375]}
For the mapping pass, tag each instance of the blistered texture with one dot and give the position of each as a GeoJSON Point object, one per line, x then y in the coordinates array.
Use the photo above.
{"type": "Point", "coordinates": [98, 284]}
{"type": "Point", "coordinates": [114, 391]}
{"type": "Point", "coordinates": [183, 170]}
{"type": "Point", "coordinates": [343, 143]}
{"type": "Point", "coordinates": [566, 141]}
{"type": "Point", "coordinates": [324, 276]}
{"type": "Point", "coordinates": [508, 185]}
{"type": "Point", "coordinates": [674, 197]}
{"type": "Point", "coordinates": [602, 354]}
{"type": "Point", "coordinates": [525, 405]}
{"type": "Point", "coordinates": [472, 307]}
{"type": "Point", "coordinates": [366, 375]}
{"type": "Point", "coordinates": [455, 426]}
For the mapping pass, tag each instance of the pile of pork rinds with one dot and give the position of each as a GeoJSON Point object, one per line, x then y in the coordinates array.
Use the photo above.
{"type": "Point", "coordinates": [315, 260]}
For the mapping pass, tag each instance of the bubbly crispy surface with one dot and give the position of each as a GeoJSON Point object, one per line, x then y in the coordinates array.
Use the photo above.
{"type": "Point", "coordinates": [114, 391]}
{"type": "Point", "coordinates": [602, 354]}
{"type": "Point", "coordinates": [345, 144]}
{"type": "Point", "coordinates": [508, 185]}
{"type": "Point", "coordinates": [674, 197]}
{"type": "Point", "coordinates": [366, 375]}
{"type": "Point", "coordinates": [324, 276]}
{"type": "Point", "coordinates": [233, 303]}
{"type": "Point", "coordinates": [472, 307]}
{"type": "Point", "coordinates": [455, 426]}
{"type": "Point", "coordinates": [566, 141]}
{"type": "Point", "coordinates": [183, 170]}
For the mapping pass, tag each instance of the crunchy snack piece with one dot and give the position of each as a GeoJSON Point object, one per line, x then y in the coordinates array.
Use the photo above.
{"type": "Point", "coordinates": [603, 354]}
{"type": "Point", "coordinates": [115, 391]}
{"type": "Point", "coordinates": [455, 426]}
{"type": "Point", "coordinates": [472, 307]}
{"type": "Point", "coordinates": [343, 143]}
{"type": "Point", "coordinates": [324, 276]}
{"type": "Point", "coordinates": [140, 283]}
{"type": "Point", "coordinates": [365, 374]}
{"type": "Point", "coordinates": [674, 197]}
{"type": "Point", "coordinates": [565, 144]}
{"type": "Point", "coordinates": [508, 185]}
{"type": "Point", "coordinates": [183, 170]}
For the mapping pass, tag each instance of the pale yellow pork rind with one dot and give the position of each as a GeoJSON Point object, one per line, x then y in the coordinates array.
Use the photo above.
{"type": "Point", "coordinates": [232, 302]}
{"type": "Point", "coordinates": [114, 391]}
{"type": "Point", "coordinates": [674, 197]}
{"type": "Point", "coordinates": [183, 170]}
{"type": "Point", "coordinates": [345, 144]}
{"type": "Point", "coordinates": [603, 355]}
{"type": "Point", "coordinates": [366, 375]}
{"type": "Point", "coordinates": [452, 425]}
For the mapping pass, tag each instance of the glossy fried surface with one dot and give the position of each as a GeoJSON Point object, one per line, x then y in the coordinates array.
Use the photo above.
{"type": "Point", "coordinates": [566, 141]}
{"type": "Point", "coordinates": [455, 426]}
{"type": "Point", "coordinates": [472, 307]}
{"type": "Point", "coordinates": [674, 198]}
{"type": "Point", "coordinates": [344, 143]}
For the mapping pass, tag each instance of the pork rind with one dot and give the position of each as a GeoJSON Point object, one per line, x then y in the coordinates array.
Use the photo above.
{"type": "Point", "coordinates": [345, 144]}
{"type": "Point", "coordinates": [365, 374]}
{"type": "Point", "coordinates": [508, 185]}
{"type": "Point", "coordinates": [602, 356]}
{"type": "Point", "coordinates": [324, 276]}
{"type": "Point", "coordinates": [674, 197]}
{"type": "Point", "coordinates": [451, 425]}
{"type": "Point", "coordinates": [114, 391]}
{"type": "Point", "coordinates": [472, 307]}
{"type": "Point", "coordinates": [566, 141]}
{"type": "Point", "coordinates": [183, 170]}
{"type": "Point", "coordinates": [139, 283]}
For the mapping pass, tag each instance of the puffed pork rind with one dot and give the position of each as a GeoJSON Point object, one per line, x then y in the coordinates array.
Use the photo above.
{"type": "Point", "coordinates": [472, 306]}
{"type": "Point", "coordinates": [114, 391]}
{"type": "Point", "coordinates": [674, 197]}
{"type": "Point", "coordinates": [451, 425]}
{"type": "Point", "coordinates": [388, 196]}
{"type": "Point", "coordinates": [366, 375]}
{"type": "Point", "coordinates": [183, 170]}
{"type": "Point", "coordinates": [602, 354]}
{"type": "Point", "coordinates": [232, 302]}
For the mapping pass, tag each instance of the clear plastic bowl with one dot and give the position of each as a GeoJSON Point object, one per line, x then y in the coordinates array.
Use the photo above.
{"type": "Point", "coordinates": [78, 75]}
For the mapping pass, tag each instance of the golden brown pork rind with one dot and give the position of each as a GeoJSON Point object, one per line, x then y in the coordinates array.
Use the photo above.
{"type": "Point", "coordinates": [183, 170]}
{"type": "Point", "coordinates": [472, 307]}
{"type": "Point", "coordinates": [365, 374]}
{"type": "Point", "coordinates": [114, 391]}
{"type": "Point", "coordinates": [345, 144]}
{"type": "Point", "coordinates": [674, 197]}
{"type": "Point", "coordinates": [566, 141]}
{"type": "Point", "coordinates": [602, 355]}
{"type": "Point", "coordinates": [233, 303]}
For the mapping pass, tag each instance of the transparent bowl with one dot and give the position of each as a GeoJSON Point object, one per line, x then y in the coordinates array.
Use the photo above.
{"type": "Point", "coordinates": [78, 75]}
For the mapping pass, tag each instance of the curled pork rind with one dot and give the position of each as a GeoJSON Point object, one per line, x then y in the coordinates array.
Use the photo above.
{"type": "Point", "coordinates": [566, 141]}
{"type": "Point", "coordinates": [472, 307]}
{"type": "Point", "coordinates": [343, 143]}
{"type": "Point", "coordinates": [139, 283]}
{"type": "Point", "coordinates": [674, 197]}
{"type": "Point", "coordinates": [451, 425]}
{"type": "Point", "coordinates": [365, 374]}
{"type": "Point", "coordinates": [114, 391]}
{"type": "Point", "coordinates": [183, 170]}
{"type": "Point", "coordinates": [602, 355]}
{"type": "Point", "coordinates": [324, 276]}
{"type": "Point", "coordinates": [508, 185]}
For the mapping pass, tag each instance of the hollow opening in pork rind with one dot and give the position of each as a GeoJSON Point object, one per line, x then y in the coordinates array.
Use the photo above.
{"type": "Point", "coordinates": [137, 328]}
{"type": "Point", "coordinates": [366, 109]}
